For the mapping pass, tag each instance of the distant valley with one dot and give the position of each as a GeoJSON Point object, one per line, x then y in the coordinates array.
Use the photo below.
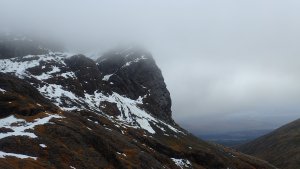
{"type": "Point", "coordinates": [232, 139]}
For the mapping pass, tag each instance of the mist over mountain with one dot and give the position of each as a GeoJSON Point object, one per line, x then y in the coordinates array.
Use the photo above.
{"type": "Point", "coordinates": [218, 50]}
{"type": "Point", "coordinates": [107, 84]}
{"type": "Point", "coordinates": [64, 110]}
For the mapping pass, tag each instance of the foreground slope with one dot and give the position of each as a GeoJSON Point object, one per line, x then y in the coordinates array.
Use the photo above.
{"type": "Point", "coordinates": [281, 147]}
{"type": "Point", "coordinates": [68, 111]}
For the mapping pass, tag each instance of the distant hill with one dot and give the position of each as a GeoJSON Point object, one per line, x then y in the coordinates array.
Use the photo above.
{"type": "Point", "coordinates": [232, 139]}
{"type": "Point", "coordinates": [280, 147]}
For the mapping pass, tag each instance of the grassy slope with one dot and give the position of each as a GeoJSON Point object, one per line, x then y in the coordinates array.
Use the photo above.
{"type": "Point", "coordinates": [280, 147]}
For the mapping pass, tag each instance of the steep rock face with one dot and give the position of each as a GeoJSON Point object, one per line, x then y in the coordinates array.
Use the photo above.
{"type": "Point", "coordinates": [134, 73]}
{"type": "Point", "coordinates": [87, 72]}
{"type": "Point", "coordinates": [280, 147]}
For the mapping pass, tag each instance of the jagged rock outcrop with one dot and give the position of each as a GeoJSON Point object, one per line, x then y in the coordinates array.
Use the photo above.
{"type": "Point", "coordinates": [87, 72]}
{"type": "Point", "coordinates": [134, 73]}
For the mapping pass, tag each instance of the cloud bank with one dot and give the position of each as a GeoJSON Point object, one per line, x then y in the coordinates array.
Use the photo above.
{"type": "Point", "coordinates": [229, 65]}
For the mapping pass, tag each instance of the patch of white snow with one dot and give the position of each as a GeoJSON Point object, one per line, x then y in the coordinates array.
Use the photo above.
{"type": "Point", "coordinates": [4, 154]}
{"type": "Point", "coordinates": [182, 163]}
{"type": "Point", "coordinates": [106, 77]}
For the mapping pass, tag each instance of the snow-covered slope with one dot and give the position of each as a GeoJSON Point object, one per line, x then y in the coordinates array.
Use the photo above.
{"type": "Point", "coordinates": [42, 71]}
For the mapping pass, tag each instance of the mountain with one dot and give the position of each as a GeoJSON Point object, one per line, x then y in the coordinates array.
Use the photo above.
{"type": "Point", "coordinates": [280, 147]}
{"type": "Point", "coordinates": [62, 110]}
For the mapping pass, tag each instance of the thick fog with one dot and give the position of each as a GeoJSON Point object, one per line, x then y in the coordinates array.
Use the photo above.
{"type": "Point", "coordinates": [229, 64]}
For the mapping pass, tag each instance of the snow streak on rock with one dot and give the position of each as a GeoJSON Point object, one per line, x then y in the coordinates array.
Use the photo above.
{"type": "Point", "coordinates": [134, 61]}
{"type": "Point", "coordinates": [106, 77]}
{"type": "Point", "coordinates": [20, 127]}
{"type": "Point", "coordinates": [2, 90]}
{"type": "Point", "coordinates": [19, 65]}
{"type": "Point", "coordinates": [4, 154]}
{"type": "Point", "coordinates": [182, 163]}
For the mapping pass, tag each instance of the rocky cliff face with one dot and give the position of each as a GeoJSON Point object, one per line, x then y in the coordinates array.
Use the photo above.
{"type": "Point", "coordinates": [68, 111]}
{"type": "Point", "coordinates": [134, 73]}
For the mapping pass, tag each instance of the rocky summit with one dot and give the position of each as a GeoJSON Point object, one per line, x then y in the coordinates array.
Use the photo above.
{"type": "Point", "coordinates": [67, 111]}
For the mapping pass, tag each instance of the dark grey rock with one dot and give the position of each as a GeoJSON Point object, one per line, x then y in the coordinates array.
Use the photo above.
{"type": "Point", "coordinates": [134, 73]}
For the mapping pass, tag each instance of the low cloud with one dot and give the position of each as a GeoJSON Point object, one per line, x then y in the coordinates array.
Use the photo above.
{"type": "Point", "coordinates": [229, 65]}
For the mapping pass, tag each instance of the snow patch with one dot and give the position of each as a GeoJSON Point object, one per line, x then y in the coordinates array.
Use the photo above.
{"type": "Point", "coordinates": [14, 65]}
{"type": "Point", "coordinates": [43, 76]}
{"type": "Point", "coordinates": [132, 114]}
{"type": "Point", "coordinates": [4, 154]}
{"type": "Point", "coordinates": [106, 77]}
{"type": "Point", "coordinates": [182, 163]}
{"type": "Point", "coordinates": [43, 145]}
{"type": "Point", "coordinates": [2, 90]}
{"type": "Point", "coordinates": [56, 92]}
{"type": "Point", "coordinates": [68, 75]}
{"type": "Point", "coordinates": [134, 61]}
{"type": "Point", "coordinates": [19, 126]}
{"type": "Point", "coordinates": [55, 69]}
{"type": "Point", "coordinates": [143, 123]}
{"type": "Point", "coordinates": [47, 75]}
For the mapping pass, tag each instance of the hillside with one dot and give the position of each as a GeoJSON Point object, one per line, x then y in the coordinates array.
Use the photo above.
{"type": "Point", "coordinates": [280, 147]}
{"type": "Point", "coordinates": [62, 110]}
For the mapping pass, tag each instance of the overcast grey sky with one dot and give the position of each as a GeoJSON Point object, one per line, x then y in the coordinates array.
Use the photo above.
{"type": "Point", "coordinates": [229, 64]}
